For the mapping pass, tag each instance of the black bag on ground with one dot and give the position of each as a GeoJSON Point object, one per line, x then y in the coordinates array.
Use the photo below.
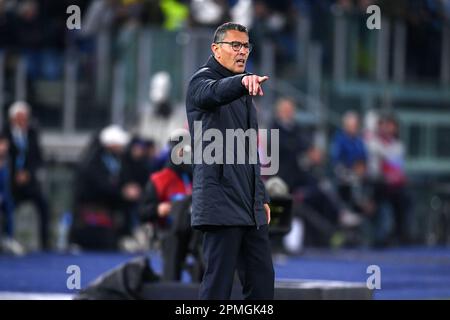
{"type": "Point", "coordinates": [124, 282]}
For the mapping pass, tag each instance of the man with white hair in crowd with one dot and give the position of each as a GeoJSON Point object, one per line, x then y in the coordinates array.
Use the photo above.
{"type": "Point", "coordinates": [101, 193]}
{"type": "Point", "coordinates": [26, 158]}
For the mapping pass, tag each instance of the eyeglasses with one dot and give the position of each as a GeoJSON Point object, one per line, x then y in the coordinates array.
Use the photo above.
{"type": "Point", "coordinates": [237, 46]}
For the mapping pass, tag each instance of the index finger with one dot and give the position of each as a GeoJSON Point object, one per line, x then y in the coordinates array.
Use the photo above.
{"type": "Point", "coordinates": [262, 79]}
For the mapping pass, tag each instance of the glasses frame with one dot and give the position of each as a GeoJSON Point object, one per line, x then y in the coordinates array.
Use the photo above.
{"type": "Point", "coordinates": [241, 44]}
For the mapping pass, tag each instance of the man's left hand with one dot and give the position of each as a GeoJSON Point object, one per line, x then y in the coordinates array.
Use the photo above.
{"type": "Point", "coordinates": [267, 208]}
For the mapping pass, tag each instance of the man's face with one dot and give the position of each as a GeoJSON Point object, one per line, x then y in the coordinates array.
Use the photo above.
{"type": "Point", "coordinates": [21, 120]}
{"type": "Point", "coordinates": [351, 125]}
{"type": "Point", "coordinates": [116, 149]}
{"type": "Point", "coordinates": [286, 111]}
{"type": "Point", "coordinates": [232, 60]}
{"type": "Point", "coordinates": [137, 151]}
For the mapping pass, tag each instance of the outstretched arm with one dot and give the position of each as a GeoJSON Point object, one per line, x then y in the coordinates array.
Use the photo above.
{"type": "Point", "coordinates": [208, 93]}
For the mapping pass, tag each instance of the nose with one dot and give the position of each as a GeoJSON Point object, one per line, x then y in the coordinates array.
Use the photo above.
{"type": "Point", "coordinates": [244, 49]}
{"type": "Point", "coordinates": [242, 52]}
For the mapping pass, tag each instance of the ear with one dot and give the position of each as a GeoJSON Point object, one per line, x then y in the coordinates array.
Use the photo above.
{"type": "Point", "coordinates": [215, 49]}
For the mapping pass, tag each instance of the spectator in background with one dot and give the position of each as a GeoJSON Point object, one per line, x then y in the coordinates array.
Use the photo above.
{"type": "Point", "coordinates": [300, 164]}
{"type": "Point", "coordinates": [135, 161]}
{"type": "Point", "coordinates": [390, 179]}
{"type": "Point", "coordinates": [293, 142]}
{"type": "Point", "coordinates": [134, 174]}
{"type": "Point", "coordinates": [175, 13]}
{"type": "Point", "coordinates": [164, 189]}
{"type": "Point", "coordinates": [349, 156]}
{"type": "Point", "coordinates": [354, 185]}
{"type": "Point", "coordinates": [26, 158]}
{"type": "Point", "coordinates": [101, 197]}
{"type": "Point", "coordinates": [319, 204]}
{"type": "Point", "coordinates": [8, 243]}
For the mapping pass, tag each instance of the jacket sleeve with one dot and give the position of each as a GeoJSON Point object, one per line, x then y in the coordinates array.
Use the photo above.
{"type": "Point", "coordinates": [207, 93]}
{"type": "Point", "coordinates": [148, 205]}
{"type": "Point", "coordinates": [266, 196]}
{"type": "Point", "coordinates": [262, 186]}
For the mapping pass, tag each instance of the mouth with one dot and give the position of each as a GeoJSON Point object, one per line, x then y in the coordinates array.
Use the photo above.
{"type": "Point", "coordinates": [240, 62]}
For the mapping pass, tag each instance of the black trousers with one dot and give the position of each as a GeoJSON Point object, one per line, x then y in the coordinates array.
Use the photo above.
{"type": "Point", "coordinates": [245, 248]}
{"type": "Point", "coordinates": [33, 194]}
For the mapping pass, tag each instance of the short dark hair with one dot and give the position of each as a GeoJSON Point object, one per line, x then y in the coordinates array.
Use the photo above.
{"type": "Point", "coordinates": [221, 31]}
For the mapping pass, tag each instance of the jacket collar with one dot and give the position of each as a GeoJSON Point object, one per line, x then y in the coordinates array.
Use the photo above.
{"type": "Point", "coordinates": [215, 65]}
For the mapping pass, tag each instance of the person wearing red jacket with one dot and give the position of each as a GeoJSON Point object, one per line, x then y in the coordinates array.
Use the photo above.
{"type": "Point", "coordinates": [166, 204]}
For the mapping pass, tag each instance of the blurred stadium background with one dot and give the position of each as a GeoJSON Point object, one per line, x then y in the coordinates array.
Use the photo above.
{"type": "Point", "coordinates": [319, 53]}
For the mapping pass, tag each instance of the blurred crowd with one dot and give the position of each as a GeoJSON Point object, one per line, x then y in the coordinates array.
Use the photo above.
{"type": "Point", "coordinates": [38, 29]}
{"type": "Point", "coordinates": [110, 179]}
{"type": "Point", "coordinates": [341, 195]}
{"type": "Point", "coordinates": [345, 194]}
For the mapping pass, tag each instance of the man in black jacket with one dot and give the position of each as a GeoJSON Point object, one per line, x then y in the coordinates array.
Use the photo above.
{"type": "Point", "coordinates": [230, 203]}
{"type": "Point", "coordinates": [26, 158]}
{"type": "Point", "coordinates": [102, 196]}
